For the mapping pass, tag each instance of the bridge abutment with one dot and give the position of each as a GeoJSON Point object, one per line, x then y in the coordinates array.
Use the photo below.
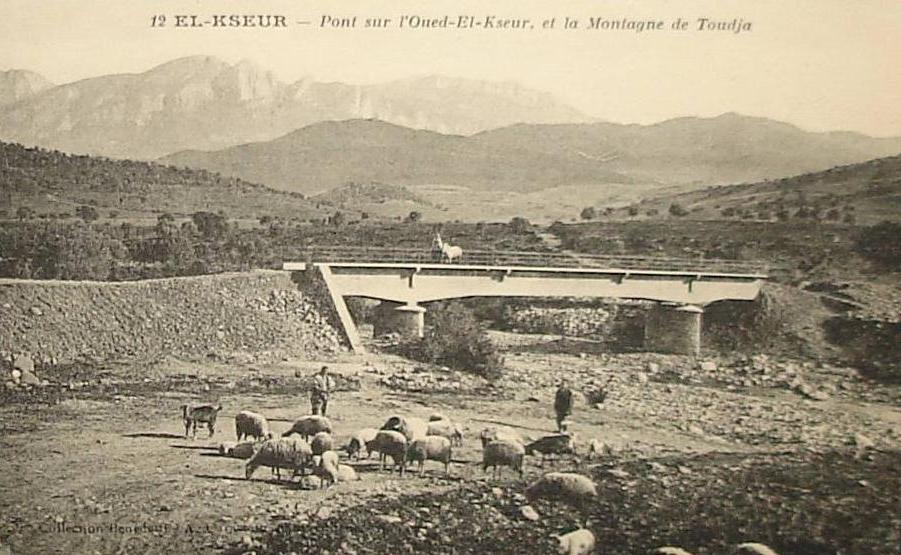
{"type": "Point", "coordinates": [407, 320]}
{"type": "Point", "coordinates": [674, 329]}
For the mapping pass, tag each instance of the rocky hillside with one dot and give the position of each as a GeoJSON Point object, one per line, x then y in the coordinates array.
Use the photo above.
{"type": "Point", "coordinates": [256, 314]}
{"type": "Point", "coordinates": [202, 102]}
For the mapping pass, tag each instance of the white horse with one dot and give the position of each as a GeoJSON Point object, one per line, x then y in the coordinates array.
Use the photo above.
{"type": "Point", "coordinates": [450, 252]}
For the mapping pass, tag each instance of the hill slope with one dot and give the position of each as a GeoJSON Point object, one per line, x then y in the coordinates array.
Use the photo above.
{"type": "Point", "coordinates": [51, 182]}
{"type": "Point", "coordinates": [524, 158]}
{"type": "Point", "coordinates": [326, 155]}
{"type": "Point", "coordinates": [202, 102]}
{"type": "Point", "coordinates": [728, 148]}
{"type": "Point", "coordinates": [867, 192]}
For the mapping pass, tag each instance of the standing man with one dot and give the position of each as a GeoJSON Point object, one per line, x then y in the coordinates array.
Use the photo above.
{"type": "Point", "coordinates": [322, 386]}
{"type": "Point", "coordinates": [563, 405]}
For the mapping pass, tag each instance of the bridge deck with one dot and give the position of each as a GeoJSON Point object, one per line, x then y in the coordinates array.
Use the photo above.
{"type": "Point", "coordinates": [537, 261]}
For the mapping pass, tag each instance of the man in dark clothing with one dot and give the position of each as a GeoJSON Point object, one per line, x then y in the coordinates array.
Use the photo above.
{"type": "Point", "coordinates": [563, 404]}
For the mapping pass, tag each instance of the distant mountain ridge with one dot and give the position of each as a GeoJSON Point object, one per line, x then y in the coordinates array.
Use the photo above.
{"type": "Point", "coordinates": [686, 152]}
{"type": "Point", "coordinates": [201, 102]}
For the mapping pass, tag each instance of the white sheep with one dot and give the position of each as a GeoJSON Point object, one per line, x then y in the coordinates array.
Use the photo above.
{"type": "Point", "coordinates": [288, 453]}
{"type": "Point", "coordinates": [326, 468]}
{"type": "Point", "coordinates": [503, 452]}
{"type": "Point", "coordinates": [670, 550]}
{"type": "Point", "coordinates": [321, 443]}
{"type": "Point", "coordinates": [430, 448]}
{"type": "Point", "coordinates": [493, 433]}
{"type": "Point", "coordinates": [567, 487]}
{"type": "Point", "coordinates": [412, 427]}
{"type": "Point", "coordinates": [358, 442]}
{"type": "Point", "coordinates": [251, 425]}
{"type": "Point", "coordinates": [390, 443]}
{"type": "Point", "coordinates": [309, 426]}
{"type": "Point", "coordinates": [446, 428]}
{"type": "Point", "coordinates": [346, 473]}
{"type": "Point", "coordinates": [577, 542]}
{"type": "Point", "coordinates": [753, 548]}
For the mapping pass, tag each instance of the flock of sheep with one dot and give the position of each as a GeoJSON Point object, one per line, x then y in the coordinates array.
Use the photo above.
{"type": "Point", "coordinates": [310, 446]}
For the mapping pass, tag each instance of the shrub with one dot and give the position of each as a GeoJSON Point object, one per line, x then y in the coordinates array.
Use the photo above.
{"type": "Point", "coordinates": [676, 209]}
{"type": "Point", "coordinates": [455, 338]}
{"type": "Point", "coordinates": [589, 213]}
{"type": "Point", "coordinates": [881, 244]}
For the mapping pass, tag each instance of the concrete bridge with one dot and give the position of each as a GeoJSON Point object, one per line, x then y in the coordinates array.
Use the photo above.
{"type": "Point", "coordinates": [403, 279]}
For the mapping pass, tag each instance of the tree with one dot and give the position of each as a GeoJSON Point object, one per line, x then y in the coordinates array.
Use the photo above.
{"type": "Point", "coordinates": [338, 219]}
{"type": "Point", "coordinates": [676, 209]}
{"type": "Point", "coordinates": [87, 213]}
{"type": "Point", "coordinates": [455, 338]}
{"type": "Point", "coordinates": [881, 244]}
{"type": "Point", "coordinates": [414, 216]}
{"type": "Point", "coordinates": [589, 213]}
{"type": "Point", "coordinates": [519, 224]}
{"type": "Point", "coordinates": [632, 211]}
{"type": "Point", "coordinates": [210, 225]}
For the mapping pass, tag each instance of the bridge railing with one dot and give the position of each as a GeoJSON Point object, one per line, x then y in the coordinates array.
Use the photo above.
{"type": "Point", "coordinates": [338, 254]}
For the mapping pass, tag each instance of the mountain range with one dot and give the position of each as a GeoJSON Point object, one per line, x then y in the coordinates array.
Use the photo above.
{"type": "Point", "coordinates": [684, 152]}
{"type": "Point", "coordinates": [202, 102]}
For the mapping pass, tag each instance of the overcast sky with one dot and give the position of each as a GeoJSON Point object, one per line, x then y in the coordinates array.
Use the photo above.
{"type": "Point", "coordinates": [821, 64]}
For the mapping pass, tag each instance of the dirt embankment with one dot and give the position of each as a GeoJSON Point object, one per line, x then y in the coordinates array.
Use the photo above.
{"type": "Point", "coordinates": [254, 313]}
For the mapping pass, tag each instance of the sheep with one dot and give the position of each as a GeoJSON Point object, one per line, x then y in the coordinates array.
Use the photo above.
{"type": "Point", "coordinates": [309, 426]}
{"type": "Point", "coordinates": [446, 428]}
{"type": "Point", "coordinates": [490, 434]}
{"type": "Point", "coordinates": [251, 425]}
{"type": "Point", "coordinates": [321, 443]}
{"type": "Point", "coordinates": [347, 473]}
{"type": "Point", "coordinates": [243, 450]}
{"type": "Point", "coordinates": [390, 443]}
{"type": "Point", "coordinates": [557, 444]}
{"type": "Point", "coordinates": [567, 487]}
{"type": "Point", "coordinates": [326, 468]}
{"type": "Point", "coordinates": [204, 414]}
{"type": "Point", "coordinates": [753, 548]}
{"type": "Point", "coordinates": [503, 452]}
{"type": "Point", "coordinates": [430, 448]}
{"type": "Point", "coordinates": [358, 442]}
{"type": "Point", "coordinates": [577, 542]}
{"type": "Point", "coordinates": [412, 428]}
{"type": "Point", "coordinates": [280, 453]}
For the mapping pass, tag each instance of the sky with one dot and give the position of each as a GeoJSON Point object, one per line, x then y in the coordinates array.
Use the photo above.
{"type": "Point", "coordinates": [820, 64]}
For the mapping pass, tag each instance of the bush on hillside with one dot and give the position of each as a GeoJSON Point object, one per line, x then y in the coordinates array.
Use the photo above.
{"type": "Point", "coordinates": [455, 338]}
{"type": "Point", "coordinates": [881, 244]}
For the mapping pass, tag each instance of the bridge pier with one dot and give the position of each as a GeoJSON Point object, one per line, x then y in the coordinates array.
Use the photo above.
{"type": "Point", "coordinates": [407, 320]}
{"type": "Point", "coordinates": [674, 329]}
